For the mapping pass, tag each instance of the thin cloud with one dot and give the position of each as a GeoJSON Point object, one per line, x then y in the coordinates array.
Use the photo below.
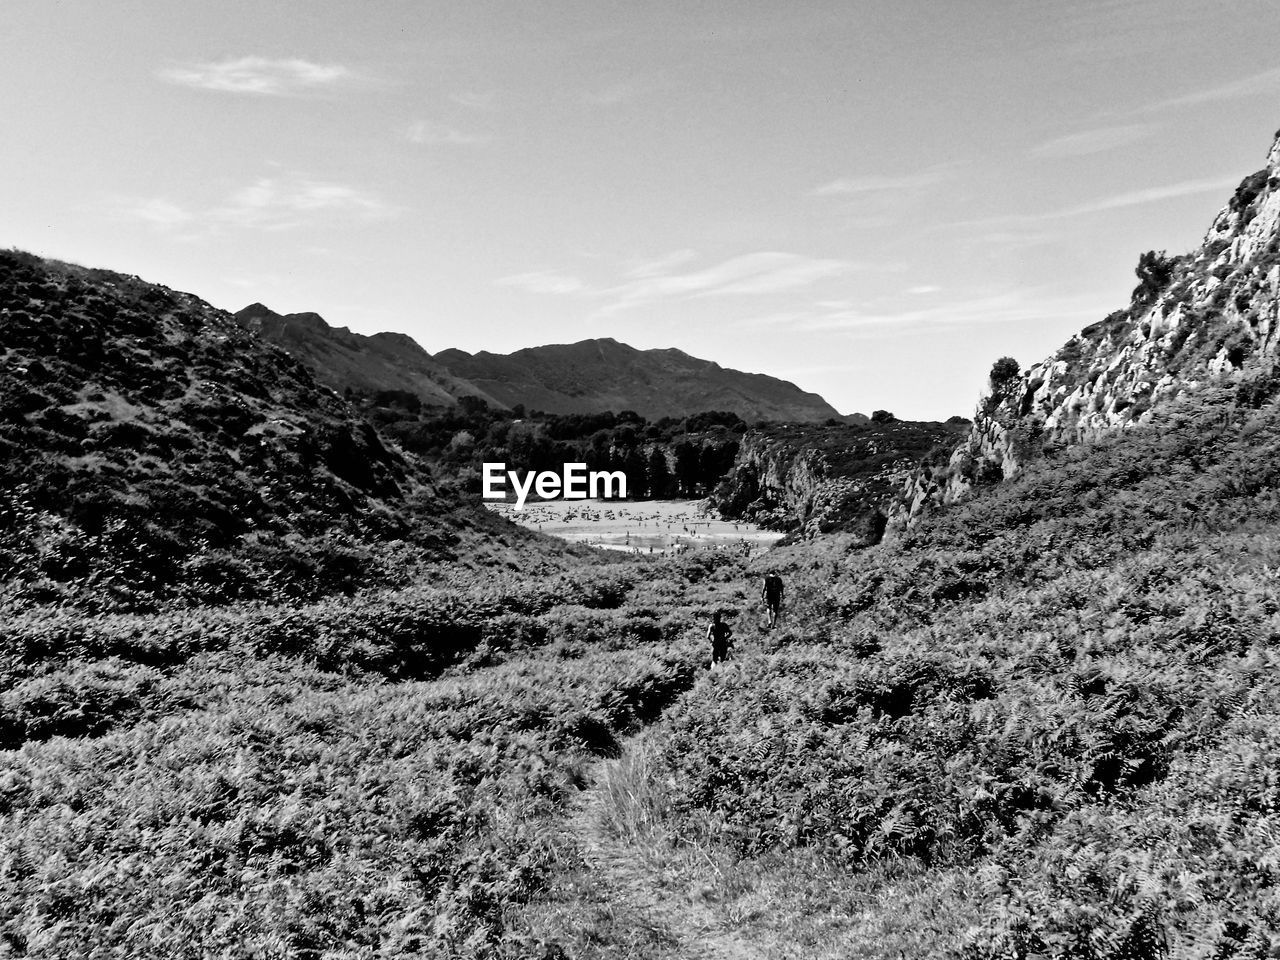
{"type": "Point", "coordinates": [1260, 84]}
{"type": "Point", "coordinates": [269, 203]}
{"type": "Point", "coordinates": [661, 265]}
{"type": "Point", "coordinates": [1135, 198]}
{"type": "Point", "coordinates": [1013, 228]}
{"type": "Point", "coordinates": [878, 184]}
{"type": "Point", "coordinates": [156, 211]}
{"type": "Point", "coordinates": [258, 76]}
{"type": "Point", "coordinates": [983, 309]}
{"type": "Point", "coordinates": [278, 203]}
{"type": "Point", "coordinates": [475, 100]}
{"type": "Point", "coordinates": [751, 274]}
{"type": "Point", "coordinates": [437, 134]}
{"type": "Point", "coordinates": [544, 282]}
{"type": "Point", "coordinates": [1093, 141]}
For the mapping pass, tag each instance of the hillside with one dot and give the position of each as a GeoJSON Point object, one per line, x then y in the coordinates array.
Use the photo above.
{"type": "Point", "coordinates": [1195, 318]}
{"type": "Point", "coordinates": [593, 376]}
{"type": "Point", "coordinates": [152, 449]}
{"type": "Point", "coordinates": [1041, 724]}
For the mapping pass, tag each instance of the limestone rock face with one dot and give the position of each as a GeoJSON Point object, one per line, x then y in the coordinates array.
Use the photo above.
{"type": "Point", "coordinates": [1208, 315]}
{"type": "Point", "coordinates": [816, 478]}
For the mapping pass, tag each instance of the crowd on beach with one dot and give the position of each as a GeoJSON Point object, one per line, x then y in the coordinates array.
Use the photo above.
{"type": "Point", "coordinates": [645, 527]}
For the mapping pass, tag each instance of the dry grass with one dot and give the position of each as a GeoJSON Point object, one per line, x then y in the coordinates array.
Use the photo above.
{"type": "Point", "coordinates": [636, 804]}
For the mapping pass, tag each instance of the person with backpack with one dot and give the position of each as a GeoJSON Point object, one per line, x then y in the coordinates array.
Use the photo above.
{"type": "Point", "coordinates": [771, 595]}
{"type": "Point", "coordinates": [720, 635]}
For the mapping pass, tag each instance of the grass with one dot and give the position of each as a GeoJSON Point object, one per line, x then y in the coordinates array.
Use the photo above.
{"type": "Point", "coordinates": [1040, 724]}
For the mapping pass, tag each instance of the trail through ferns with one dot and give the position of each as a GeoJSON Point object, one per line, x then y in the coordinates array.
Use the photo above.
{"type": "Point", "coordinates": [627, 890]}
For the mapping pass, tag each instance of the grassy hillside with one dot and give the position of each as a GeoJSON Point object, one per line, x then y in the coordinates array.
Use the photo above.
{"type": "Point", "coordinates": [152, 451]}
{"type": "Point", "coordinates": [1042, 724]}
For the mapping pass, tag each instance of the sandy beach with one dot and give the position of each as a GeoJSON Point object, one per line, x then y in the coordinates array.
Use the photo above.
{"type": "Point", "coordinates": [649, 526]}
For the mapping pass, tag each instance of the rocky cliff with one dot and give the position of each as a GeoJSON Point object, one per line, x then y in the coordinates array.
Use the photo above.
{"type": "Point", "coordinates": [811, 478]}
{"type": "Point", "coordinates": [1208, 315]}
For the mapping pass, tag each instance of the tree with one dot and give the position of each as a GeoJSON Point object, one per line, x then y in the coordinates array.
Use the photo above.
{"type": "Point", "coordinates": [714, 461]}
{"type": "Point", "coordinates": [472, 406]}
{"type": "Point", "coordinates": [659, 474]}
{"type": "Point", "coordinates": [882, 416]}
{"type": "Point", "coordinates": [1003, 371]}
{"type": "Point", "coordinates": [633, 465]}
{"type": "Point", "coordinates": [687, 467]}
{"type": "Point", "coordinates": [1154, 271]}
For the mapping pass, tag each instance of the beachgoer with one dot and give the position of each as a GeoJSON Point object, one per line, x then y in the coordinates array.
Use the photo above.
{"type": "Point", "coordinates": [771, 595]}
{"type": "Point", "coordinates": [720, 636]}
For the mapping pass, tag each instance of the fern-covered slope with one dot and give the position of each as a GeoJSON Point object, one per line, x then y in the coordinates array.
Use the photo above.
{"type": "Point", "coordinates": [151, 448]}
{"type": "Point", "coordinates": [1043, 723]}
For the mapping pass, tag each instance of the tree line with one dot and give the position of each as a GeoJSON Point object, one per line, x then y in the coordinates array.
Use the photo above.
{"type": "Point", "coordinates": [669, 457]}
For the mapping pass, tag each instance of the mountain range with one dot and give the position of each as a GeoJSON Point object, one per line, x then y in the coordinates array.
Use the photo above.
{"type": "Point", "coordinates": [591, 376]}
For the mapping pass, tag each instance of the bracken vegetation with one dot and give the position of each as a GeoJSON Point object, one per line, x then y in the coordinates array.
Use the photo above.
{"type": "Point", "coordinates": [374, 777]}
{"type": "Point", "coordinates": [310, 712]}
{"type": "Point", "coordinates": [1049, 715]}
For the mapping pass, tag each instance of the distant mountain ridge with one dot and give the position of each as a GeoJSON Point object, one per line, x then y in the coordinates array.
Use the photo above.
{"type": "Point", "coordinates": [603, 374]}
{"type": "Point", "coordinates": [590, 376]}
{"type": "Point", "coordinates": [341, 359]}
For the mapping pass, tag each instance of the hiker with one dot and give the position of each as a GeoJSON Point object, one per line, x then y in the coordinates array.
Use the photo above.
{"type": "Point", "coordinates": [771, 595]}
{"type": "Point", "coordinates": [721, 637]}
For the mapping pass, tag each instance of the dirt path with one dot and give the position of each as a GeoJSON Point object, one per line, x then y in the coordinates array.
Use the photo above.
{"type": "Point", "coordinates": [623, 892]}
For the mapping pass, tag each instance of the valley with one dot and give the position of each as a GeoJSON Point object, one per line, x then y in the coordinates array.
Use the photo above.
{"type": "Point", "coordinates": [275, 683]}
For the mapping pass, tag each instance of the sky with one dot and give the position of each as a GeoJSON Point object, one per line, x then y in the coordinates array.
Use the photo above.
{"type": "Point", "coordinates": [874, 199]}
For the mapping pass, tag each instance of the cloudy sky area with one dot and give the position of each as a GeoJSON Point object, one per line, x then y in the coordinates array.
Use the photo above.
{"type": "Point", "coordinates": [872, 199]}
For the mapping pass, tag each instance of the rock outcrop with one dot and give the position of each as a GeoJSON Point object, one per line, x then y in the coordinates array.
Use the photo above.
{"type": "Point", "coordinates": [812, 479]}
{"type": "Point", "coordinates": [1207, 315]}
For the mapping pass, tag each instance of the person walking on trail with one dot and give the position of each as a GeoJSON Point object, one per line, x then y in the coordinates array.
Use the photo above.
{"type": "Point", "coordinates": [771, 595]}
{"type": "Point", "coordinates": [721, 637]}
